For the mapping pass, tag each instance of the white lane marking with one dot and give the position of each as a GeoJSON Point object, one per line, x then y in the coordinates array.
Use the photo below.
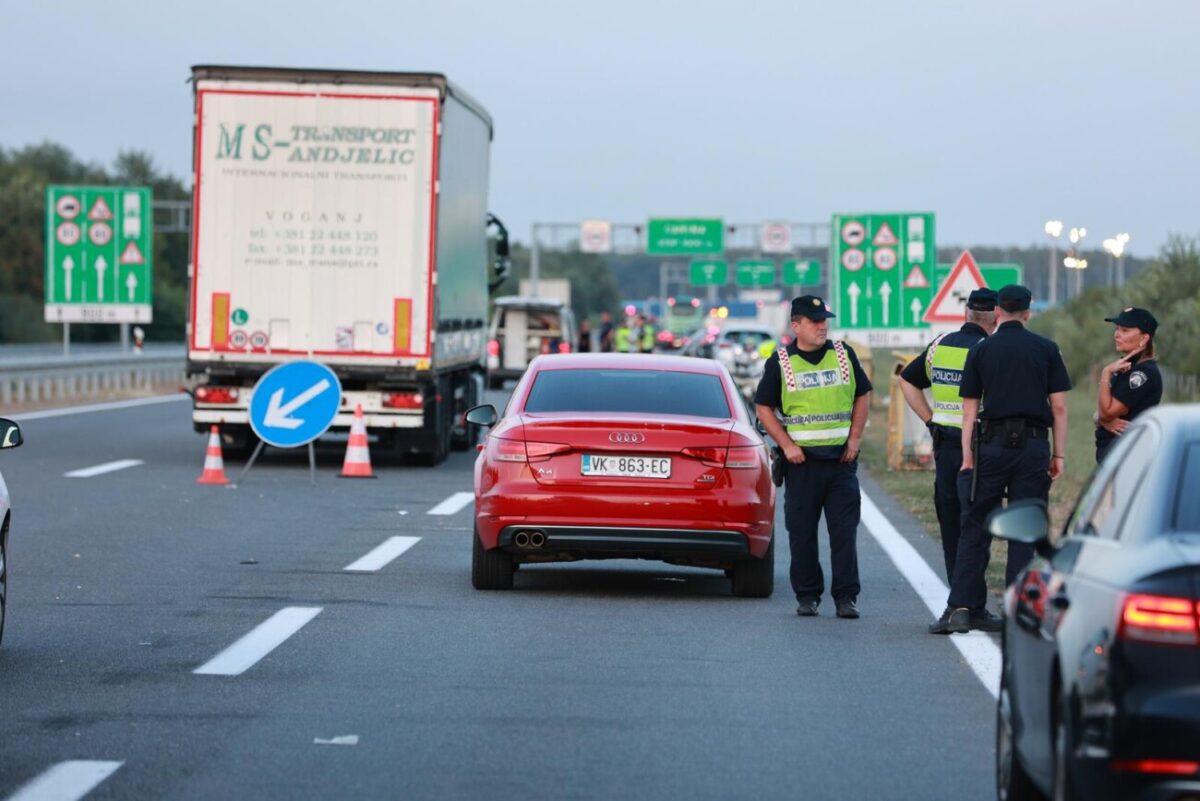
{"type": "Point", "coordinates": [981, 653]}
{"type": "Point", "coordinates": [100, 407]}
{"type": "Point", "coordinates": [264, 638]}
{"type": "Point", "coordinates": [452, 504]}
{"type": "Point", "coordinates": [388, 550]}
{"type": "Point", "coordinates": [101, 469]}
{"type": "Point", "coordinates": [67, 781]}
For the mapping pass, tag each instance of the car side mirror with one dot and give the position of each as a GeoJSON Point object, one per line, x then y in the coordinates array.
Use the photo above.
{"type": "Point", "coordinates": [484, 415]}
{"type": "Point", "coordinates": [759, 427]}
{"type": "Point", "coordinates": [1025, 521]}
{"type": "Point", "coordinates": [10, 434]}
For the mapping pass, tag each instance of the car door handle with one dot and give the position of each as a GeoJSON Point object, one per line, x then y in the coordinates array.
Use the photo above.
{"type": "Point", "coordinates": [1060, 602]}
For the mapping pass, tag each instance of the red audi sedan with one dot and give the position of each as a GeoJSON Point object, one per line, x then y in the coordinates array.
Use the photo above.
{"type": "Point", "coordinates": [624, 456]}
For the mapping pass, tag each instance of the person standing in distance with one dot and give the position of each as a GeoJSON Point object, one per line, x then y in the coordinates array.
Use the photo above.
{"type": "Point", "coordinates": [1131, 384]}
{"type": "Point", "coordinates": [606, 332]}
{"type": "Point", "coordinates": [822, 392]}
{"type": "Point", "coordinates": [939, 368]}
{"type": "Point", "coordinates": [1014, 390]}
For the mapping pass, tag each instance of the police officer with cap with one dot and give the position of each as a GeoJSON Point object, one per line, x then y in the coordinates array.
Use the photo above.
{"type": "Point", "coordinates": [822, 393]}
{"type": "Point", "coordinates": [1014, 386]}
{"type": "Point", "coordinates": [1131, 384]}
{"type": "Point", "coordinates": [939, 369]}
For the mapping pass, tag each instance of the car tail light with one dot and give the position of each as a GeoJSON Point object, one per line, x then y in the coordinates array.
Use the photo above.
{"type": "Point", "coordinates": [512, 450]}
{"type": "Point", "coordinates": [403, 400]}
{"type": "Point", "coordinates": [493, 347]}
{"type": "Point", "coordinates": [1160, 619]}
{"type": "Point", "coordinates": [1171, 766]}
{"type": "Point", "coordinates": [742, 458]}
{"type": "Point", "coordinates": [217, 394]}
{"type": "Point", "coordinates": [564, 347]}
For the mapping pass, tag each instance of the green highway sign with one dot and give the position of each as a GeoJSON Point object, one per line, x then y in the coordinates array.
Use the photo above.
{"type": "Point", "coordinates": [708, 272]}
{"type": "Point", "coordinates": [684, 237]}
{"type": "Point", "coordinates": [801, 272]}
{"type": "Point", "coordinates": [994, 275]}
{"type": "Point", "coordinates": [99, 266]}
{"type": "Point", "coordinates": [881, 270]}
{"type": "Point", "coordinates": [755, 272]}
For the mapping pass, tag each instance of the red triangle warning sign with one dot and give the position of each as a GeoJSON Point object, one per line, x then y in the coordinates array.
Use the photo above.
{"type": "Point", "coordinates": [916, 278]}
{"type": "Point", "coordinates": [100, 210]}
{"type": "Point", "coordinates": [884, 237]}
{"type": "Point", "coordinates": [950, 303]}
{"type": "Point", "coordinates": [132, 254]}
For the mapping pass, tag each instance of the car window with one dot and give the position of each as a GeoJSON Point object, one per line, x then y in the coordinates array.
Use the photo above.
{"type": "Point", "coordinates": [638, 391]}
{"type": "Point", "coordinates": [1187, 505]}
{"type": "Point", "coordinates": [1086, 512]}
{"type": "Point", "coordinates": [1114, 500]}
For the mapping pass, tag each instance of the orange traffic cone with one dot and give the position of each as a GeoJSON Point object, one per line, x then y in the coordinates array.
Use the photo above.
{"type": "Point", "coordinates": [358, 455]}
{"type": "Point", "coordinates": [214, 465]}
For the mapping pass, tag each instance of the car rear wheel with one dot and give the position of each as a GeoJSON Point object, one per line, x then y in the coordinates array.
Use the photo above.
{"type": "Point", "coordinates": [755, 578]}
{"type": "Point", "coordinates": [490, 570]}
{"type": "Point", "coordinates": [1012, 782]}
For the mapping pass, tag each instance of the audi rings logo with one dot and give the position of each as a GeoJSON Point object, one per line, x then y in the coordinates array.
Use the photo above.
{"type": "Point", "coordinates": [626, 437]}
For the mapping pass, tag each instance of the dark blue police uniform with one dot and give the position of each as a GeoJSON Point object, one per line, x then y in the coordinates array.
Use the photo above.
{"type": "Point", "coordinates": [1012, 373]}
{"type": "Point", "coordinates": [947, 440]}
{"type": "Point", "coordinates": [1138, 388]}
{"type": "Point", "coordinates": [821, 483]}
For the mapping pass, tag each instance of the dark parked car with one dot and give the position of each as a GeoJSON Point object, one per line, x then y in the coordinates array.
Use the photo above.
{"type": "Point", "coordinates": [1100, 688]}
{"type": "Point", "coordinates": [10, 437]}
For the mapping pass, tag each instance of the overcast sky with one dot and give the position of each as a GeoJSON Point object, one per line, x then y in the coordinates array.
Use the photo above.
{"type": "Point", "coordinates": [995, 115]}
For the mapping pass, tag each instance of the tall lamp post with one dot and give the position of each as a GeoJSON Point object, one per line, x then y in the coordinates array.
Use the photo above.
{"type": "Point", "coordinates": [1054, 229]}
{"type": "Point", "coordinates": [1077, 235]}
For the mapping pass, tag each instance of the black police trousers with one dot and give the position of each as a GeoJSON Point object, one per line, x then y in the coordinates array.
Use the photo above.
{"type": "Point", "coordinates": [810, 488]}
{"type": "Point", "coordinates": [947, 460]}
{"type": "Point", "coordinates": [1021, 472]}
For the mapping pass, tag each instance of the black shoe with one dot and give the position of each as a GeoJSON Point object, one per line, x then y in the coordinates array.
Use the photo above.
{"type": "Point", "coordinates": [808, 607]}
{"type": "Point", "coordinates": [847, 608]}
{"type": "Point", "coordinates": [952, 621]}
{"type": "Point", "coordinates": [986, 621]}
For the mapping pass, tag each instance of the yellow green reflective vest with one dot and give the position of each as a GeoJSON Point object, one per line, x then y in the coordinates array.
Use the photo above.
{"type": "Point", "coordinates": [818, 398]}
{"type": "Point", "coordinates": [648, 338]}
{"type": "Point", "coordinates": [621, 340]}
{"type": "Point", "coordinates": [944, 368]}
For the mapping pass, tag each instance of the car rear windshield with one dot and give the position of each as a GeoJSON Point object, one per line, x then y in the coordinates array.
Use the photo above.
{"type": "Point", "coordinates": [1187, 507]}
{"type": "Point", "coordinates": [638, 391]}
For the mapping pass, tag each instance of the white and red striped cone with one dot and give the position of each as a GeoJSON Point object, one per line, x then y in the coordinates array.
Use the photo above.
{"type": "Point", "coordinates": [214, 465]}
{"type": "Point", "coordinates": [358, 454]}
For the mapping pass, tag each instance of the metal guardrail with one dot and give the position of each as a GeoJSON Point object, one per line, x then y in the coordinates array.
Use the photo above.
{"type": "Point", "coordinates": [74, 379]}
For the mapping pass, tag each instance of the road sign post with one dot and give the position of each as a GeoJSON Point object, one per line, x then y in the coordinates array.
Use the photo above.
{"type": "Point", "coordinates": [99, 254]}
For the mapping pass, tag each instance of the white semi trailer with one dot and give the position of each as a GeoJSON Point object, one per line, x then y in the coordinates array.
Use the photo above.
{"type": "Point", "coordinates": [342, 217]}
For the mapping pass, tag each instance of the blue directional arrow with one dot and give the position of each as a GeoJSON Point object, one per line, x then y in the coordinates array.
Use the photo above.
{"type": "Point", "coordinates": [294, 403]}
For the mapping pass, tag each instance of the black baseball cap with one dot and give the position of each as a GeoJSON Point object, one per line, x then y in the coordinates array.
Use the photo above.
{"type": "Point", "coordinates": [1134, 317]}
{"type": "Point", "coordinates": [812, 307]}
{"type": "Point", "coordinates": [982, 300]}
{"type": "Point", "coordinates": [1014, 298]}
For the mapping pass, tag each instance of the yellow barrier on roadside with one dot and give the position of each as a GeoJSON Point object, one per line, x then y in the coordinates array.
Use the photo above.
{"type": "Point", "coordinates": [909, 445]}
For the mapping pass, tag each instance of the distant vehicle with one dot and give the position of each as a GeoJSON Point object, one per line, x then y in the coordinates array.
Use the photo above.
{"type": "Point", "coordinates": [10, 437]}
{"type": "Point", "coordinates": [737, 346]}
{"type": "Point", "coordinates": [1100, 681]}
{"type": "Point", "coordinates": [523, 328]}
{"type": "Point", "coordinates": [334, 227]}
{"type": "Point", "coordinates": [682, 316]}
{"type": "Point", "coordinates": [634, 456]}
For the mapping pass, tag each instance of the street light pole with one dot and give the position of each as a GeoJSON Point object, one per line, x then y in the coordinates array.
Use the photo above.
{"type": "Point", "coordinates": [1053, 229]}
{"type": "Point", "coordinates": [1077, 235]}
{"type": "Point", "coordinates": [534, 259]}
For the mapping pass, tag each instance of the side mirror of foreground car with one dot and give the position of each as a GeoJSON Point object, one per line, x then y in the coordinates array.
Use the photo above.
{"type": "Point", "coordinates": [10, 434]}
{"type": "Point", "coordinates": [484, 415]}
{"type": "Point", "coordinates": [1025, 521]}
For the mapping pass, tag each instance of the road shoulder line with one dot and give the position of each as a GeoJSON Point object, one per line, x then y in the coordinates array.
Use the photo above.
{"type": "Point", "coordinates": [66, 781]}
{"type": "Point", "coordinates": [98, 407]}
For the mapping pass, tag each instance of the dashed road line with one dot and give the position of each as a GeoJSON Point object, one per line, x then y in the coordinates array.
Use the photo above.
{"type": "Point", "coordinates": [66, 781]}
{"type": "Point", "coordinates": [452, 504]}
{"type": "Point", "coordinates": [99, 407]}
{"type": "Point", "coordinates": [262, 639]}
{"type": "Point", "coordinates": [101, 469]}
{"type": "Point", "coordinates": [977, 648]}
{"type": "Point", "coordinates": [380, 556]}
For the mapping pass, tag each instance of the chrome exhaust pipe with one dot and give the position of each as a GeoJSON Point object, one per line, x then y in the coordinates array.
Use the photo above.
{"type": "Point", "coordinates": [521, 539]}
{"type": "Point", "coordinates": [537, 539]}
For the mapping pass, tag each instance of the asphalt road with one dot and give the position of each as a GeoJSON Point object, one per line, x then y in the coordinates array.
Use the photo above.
{"type": "Point", "coordinates": [591, 680]}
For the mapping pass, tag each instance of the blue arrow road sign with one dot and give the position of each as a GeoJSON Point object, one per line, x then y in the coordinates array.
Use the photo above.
{"type": "Point", "coordinates": [294, 403]}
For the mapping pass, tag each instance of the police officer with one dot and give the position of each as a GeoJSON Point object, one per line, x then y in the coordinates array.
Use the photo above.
{"type": "Point", "coordinates": [1131, 384]}
{"type": "Point", "coordinates": [1014, 386]}
{"type": "Point", "coordinates": [822, 393]}
{"type": "Point", "coordinates": [939, 367]}
{"type": "Point", "coordinates": [622, 340]}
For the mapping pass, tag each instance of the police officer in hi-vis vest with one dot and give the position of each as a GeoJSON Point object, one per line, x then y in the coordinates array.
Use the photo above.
{"type": "Point", "coordinates": [822, 394]}
{"type": "Point", "coordinates": [939, 369]}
